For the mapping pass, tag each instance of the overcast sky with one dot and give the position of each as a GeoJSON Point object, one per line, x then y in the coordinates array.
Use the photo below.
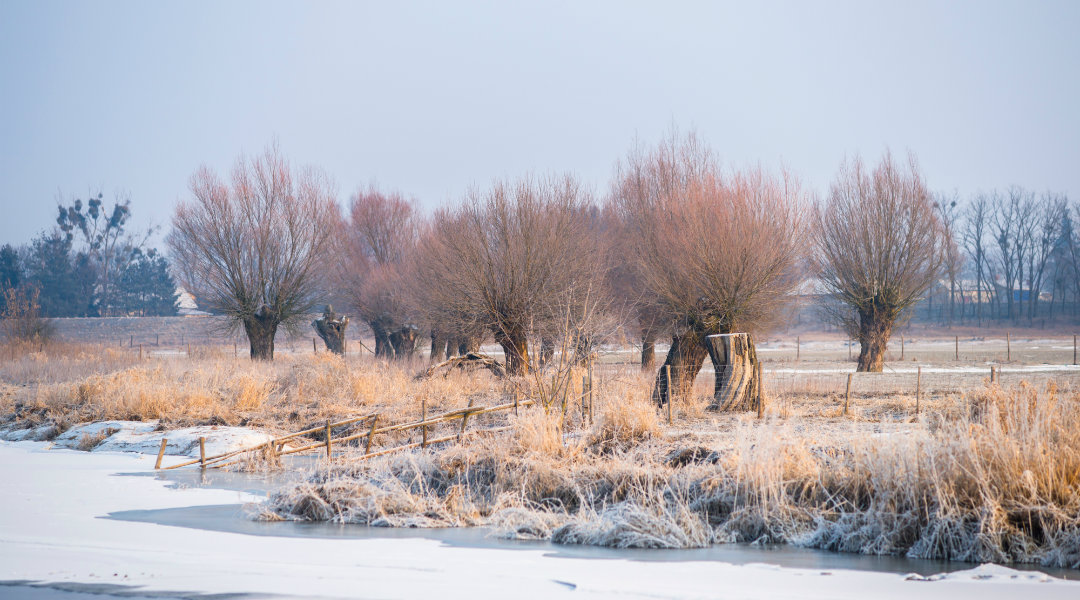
{"type": "Point", "coordinates": [428, 98]}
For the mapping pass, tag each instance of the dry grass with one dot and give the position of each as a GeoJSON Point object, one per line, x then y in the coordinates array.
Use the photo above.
{"type": "Point", "coordinates": [988, 475]}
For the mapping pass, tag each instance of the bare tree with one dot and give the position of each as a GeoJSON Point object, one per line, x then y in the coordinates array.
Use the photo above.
{"type": "Point", "coordinates": [720, 252]}
{"type": "Point", "coordinates": [976, 223]}
{"type": "Point", "coordinates": [511, 259]}
{"type": "Point", "coordinates": [377, 238]}
{"type": "Point", "coordinates": [1051, 209]}
{"type": "Point", "coordinates": [254, 248]}
{"type": "Point", "coordinates": [879, 248]}
{"type": "Point", "coordinates": [949, 216]}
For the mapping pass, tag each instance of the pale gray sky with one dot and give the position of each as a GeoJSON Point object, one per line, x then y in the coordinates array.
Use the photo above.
{"type": "Point", "coordinates": [429, 97]}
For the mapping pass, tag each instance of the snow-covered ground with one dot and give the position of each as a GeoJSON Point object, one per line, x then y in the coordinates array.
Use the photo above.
{"type": "Point", "coordinates": [52, 530]}
{"type": "Point", "coordinates": [143, 437]}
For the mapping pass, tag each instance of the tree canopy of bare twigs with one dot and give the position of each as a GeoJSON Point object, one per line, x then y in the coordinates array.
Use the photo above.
{"type": "Point", "coordinates": [377, 240]}
{"type": "Point", "coordinates": [514, 259]}
{"type": "Point", "coordinates": [719, 252]}
{"type": "Point", "coordinates": [254, 248]}
{"type": "Point", "coordinates": [879, 246]}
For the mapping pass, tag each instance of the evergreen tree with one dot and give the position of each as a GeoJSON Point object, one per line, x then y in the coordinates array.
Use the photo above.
{"type": "Point", "coordinates": [145, 287]}
{"type": "Point", "coordinates": [10, 272]}
{"type": "Point", "coordinates": [65, 281]}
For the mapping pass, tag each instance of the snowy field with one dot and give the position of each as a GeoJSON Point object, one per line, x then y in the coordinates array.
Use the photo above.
{"type": "Point", "coordinates": [54, 533]}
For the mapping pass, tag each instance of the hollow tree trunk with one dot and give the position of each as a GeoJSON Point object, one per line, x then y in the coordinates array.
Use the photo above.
{"type": "Point", "coordinates": [331, 328]}
{"type": "Point", "coordinates": [685, 357]}
{"type": "Point", "coordinates": [734, 358]}
{"type": "Point", "coordinates": [874, 334]}
{"type": "Point", "coordinates": [383, 349]}
{"type": "Point", "coordinates": [403, 341]}
{"type": "Point", "coordinates": [515, 347]}
{"type": "Point", "coordinates": [261, 328]}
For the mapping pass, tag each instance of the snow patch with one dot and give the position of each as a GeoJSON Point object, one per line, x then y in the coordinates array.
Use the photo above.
{"type": "Point", "coordinates": [143, 437]}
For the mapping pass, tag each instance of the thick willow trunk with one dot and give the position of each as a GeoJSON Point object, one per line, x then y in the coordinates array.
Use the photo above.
{"type": "Point", "coordinates": [734, 359]}
{"type": "Point", "coordinates": [685, 357]}
{"type": "Point", "coordinates": [383, 348]}
{"type": "Point", "coordinates": [440, 347]}
{"type": "Point", "coordinates": [515, 349]}
{"type": "Point", "coordinates": [648, 351]}
{"type": "Point", "coordinates": [466, 344]}
{"type": "Point", "coordinates": [261, 328]}
{"type": "Point", "coordinates": [331, 328]}
{"type": "Point", "coordinates": [404, 342]}
{"type": "Point", "coordinates": [874, 333]}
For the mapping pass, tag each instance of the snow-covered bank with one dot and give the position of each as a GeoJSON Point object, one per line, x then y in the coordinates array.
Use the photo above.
{"type": "Point", "coordinates": [142, 437]}
{"type": "Point", "coordinates": [51, 530]}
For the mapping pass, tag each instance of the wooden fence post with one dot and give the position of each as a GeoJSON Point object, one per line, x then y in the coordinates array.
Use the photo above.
{"type": "Point", "coordinates": [371, 434]}
{"type": "Point", "coordinates": [956, 341]}
{"type": "Point", "coordinates": [849, 349]}
{"type": "Point", "coordinates": [918, 388]}
{"type": "Point", "coordinates": [202, 452]}
{"type": "Point", "coordinates": [901, 346]}
{"type": "Point", "coordinates": [423, 419]}
{"type": "Point", "coordinates": [847, 393]}
{"type": "Point", "coordinates": [1008, 346]}
{"type": "Point", "coordinates": [161, 453]}
{"type": "Point", "coordinates": [314, 347]}
{"type": "Point", "coordinates": [760, 397]}
{"type": "Point", "coordinates": [992, 375]}
{"type": "Point", "coordinates": [328, 439]}
{"type": "Point", "coordinates": [1074, 348]}
{"type": "Point", "coordinates": [590, 394]}
{"type": "Point", "coordinates": [140, 351]}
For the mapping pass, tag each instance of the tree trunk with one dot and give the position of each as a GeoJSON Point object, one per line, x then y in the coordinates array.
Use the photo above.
{"type": "Point", "coordinates": [874, 333]}
{"type": "Point", "coordinates": [383, 348]}
{"type": "Point", "coordinates": [648, 350]}
{"type": "Point", "coordinates": [331, 329]}
{"type": "Point", "coordinates": [685, 357]}
{"type": "Point", "coordinates": [465, 345]}
{"type": "Point", "coordinates": [261, 328]}
{"type": "Point", "coordinates": [440, 347]}
{"type": "Point", "coordinates": [515, 349]}
{"type": "Point", "coordinates": [403, 341]}
{"type": "Point", "coordinates": [547, 350]}
{"type": "Point", "coordinates": [734, 358]}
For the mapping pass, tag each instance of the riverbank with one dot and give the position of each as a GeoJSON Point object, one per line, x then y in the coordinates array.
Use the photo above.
{"type": "Point", "coordinates": [52, 531]}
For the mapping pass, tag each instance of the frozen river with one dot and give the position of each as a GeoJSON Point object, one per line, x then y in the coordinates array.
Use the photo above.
{"type": "Point", "coordinates": [75, 523]}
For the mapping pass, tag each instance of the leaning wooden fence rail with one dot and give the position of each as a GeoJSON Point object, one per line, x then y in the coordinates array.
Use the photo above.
{"type": "Point", "coordinates": [275, 445]}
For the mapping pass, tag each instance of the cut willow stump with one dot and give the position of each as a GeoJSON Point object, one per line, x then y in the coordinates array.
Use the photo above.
{"type": "Point", "coordinates": [331, 328]}
{"type": "Point", "coordinates": [735, 360]}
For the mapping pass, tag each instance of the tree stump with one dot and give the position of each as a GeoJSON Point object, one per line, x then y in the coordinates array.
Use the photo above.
{"type": "Point", "coordinates": [735, 360]}
{"type": "Point", "coordinates": [331, 328]}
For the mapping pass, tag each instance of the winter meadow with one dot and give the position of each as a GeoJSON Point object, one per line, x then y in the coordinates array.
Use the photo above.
{"type": "Point", "coordinates": [701, 373]}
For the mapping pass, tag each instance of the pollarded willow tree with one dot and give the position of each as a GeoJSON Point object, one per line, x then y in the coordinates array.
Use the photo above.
{"type": "Point", "coordinates": [254, 248]}
{"type": "Point", "coordinates": [879, 246]}
{"type": "Point", "coordinates": [514, 259]}
{"type": "Point", "coordinates": [376, 240]}
{"type": "Point", "coordinates": [721, 252]}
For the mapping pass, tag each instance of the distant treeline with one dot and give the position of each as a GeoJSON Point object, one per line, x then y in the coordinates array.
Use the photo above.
{"type": "Point", "coordinates": [89, 265]}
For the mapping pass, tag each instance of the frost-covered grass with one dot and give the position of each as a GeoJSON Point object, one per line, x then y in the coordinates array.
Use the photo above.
{"type": "Point", "coordinates": [996, 479]}
{"type": "Point", "coordinates": [990, 474]}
